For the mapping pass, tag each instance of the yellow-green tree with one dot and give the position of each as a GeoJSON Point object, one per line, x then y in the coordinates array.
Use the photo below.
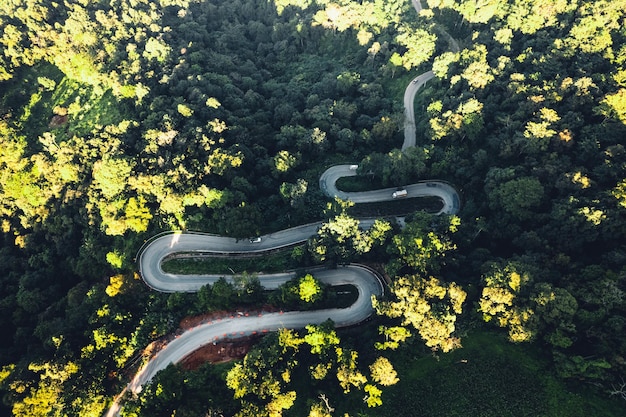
{"type": "Point", "coordinates": [428, 305]}
{"type": "Point", "coordinates": [284, 161]}
{"type": "Point", "coordinates": [614, 105]}
{"type": "Point", "coordinates": [42, 398]}
{"type": "Point", "coordinates": [382, 372]}
{"type": "Point", "coordinates": [321, 338]}
{"type": "Point", "coordinates": [373, 395]}
{"type": "Point", "coordinates": [348, 372]}
{"type": "Point", "coordinates": [309, 289]}
{"type": "Point", "coordinates": [265, 374]}
{"type": "Point", "coordinates": [110, 176]}
{"type": "Point", "coordinates": [421, 247]}
{"type": "Point", "coordinates": [393, 336]}
{"type": "Point", "coordinates": [500, 301]}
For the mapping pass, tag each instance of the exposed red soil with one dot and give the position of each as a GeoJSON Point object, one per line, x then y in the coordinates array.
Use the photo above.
{"type": "Point", "coordinates": [224, 351]}
{"type": "Point", "coordinates": [57, 121]}
{"type": "Point", "coordinates": [191, 322]}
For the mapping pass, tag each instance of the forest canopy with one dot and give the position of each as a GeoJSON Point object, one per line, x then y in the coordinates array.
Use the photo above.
{"type": "Point", "coordinates": [120, 119]}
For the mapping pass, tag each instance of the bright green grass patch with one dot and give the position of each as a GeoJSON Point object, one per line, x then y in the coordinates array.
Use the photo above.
{"type": "Point", "coordinates": [37, 93]}
{"type": "Point", "coordinates": [488, 377]}
{"type": "Point", "coordinates": [86, 106]}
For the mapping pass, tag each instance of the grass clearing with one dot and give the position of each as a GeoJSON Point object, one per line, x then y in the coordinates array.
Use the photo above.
{"type": "Point", "coordinates": [37, 93]}
{"type": "Point", "coordinates": [488, 377]}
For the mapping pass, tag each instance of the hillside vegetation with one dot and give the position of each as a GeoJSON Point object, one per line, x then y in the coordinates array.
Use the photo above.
{"type": "Point", "coordinates": [120, 119]}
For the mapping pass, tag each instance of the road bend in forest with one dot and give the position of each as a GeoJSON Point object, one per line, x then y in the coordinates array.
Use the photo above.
{"type": "Point", "coordinates": [432, 188]}
{"type": "Point", "coordinates": [363, 279]}
{"type": "Point", "coordinates": [366, 282]}
{"type": "Point", "coordinates": [151, 257]}
{"type": "Point", "coordinates": [442, 190]}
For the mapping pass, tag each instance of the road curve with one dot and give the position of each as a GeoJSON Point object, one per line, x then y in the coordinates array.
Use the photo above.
{"type": "Point", "coordinates": [409, 110]}
{"type": "Point", "coordinates": [151, 257]}
{"type": "Point", "coordinates": [363, 279]}
{"type": "Point", "coordinates": [431, 188]}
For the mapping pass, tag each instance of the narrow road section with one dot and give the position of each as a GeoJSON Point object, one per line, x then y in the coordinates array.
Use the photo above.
{"type": "Point", "coordinates": [363, 279]}
{"type": "Point", "coordinates": [366, 281]}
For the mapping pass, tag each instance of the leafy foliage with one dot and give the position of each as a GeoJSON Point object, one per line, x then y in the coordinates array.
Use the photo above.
{"type": "Point", "coordinates": [120, 118]}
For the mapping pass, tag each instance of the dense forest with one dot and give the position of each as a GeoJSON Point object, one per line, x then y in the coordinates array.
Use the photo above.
{"type": "Point", "coordinates": [120, 119]}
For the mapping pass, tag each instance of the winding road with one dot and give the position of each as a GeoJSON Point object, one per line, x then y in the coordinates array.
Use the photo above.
{"type": "Point", "coordinates": [442, 190]}
{"type": "Point", "coordinates": [363, 279]}
{"type": "Point", "coordinates": [409, 110]}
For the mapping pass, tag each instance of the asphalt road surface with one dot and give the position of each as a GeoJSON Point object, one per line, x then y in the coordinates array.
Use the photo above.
{"type": "Point", "coordinates": [409, 110]}
{"type": "Point", "coordinates": [433, 188]}
{"type": "Point", "coordinates": [363, 279]}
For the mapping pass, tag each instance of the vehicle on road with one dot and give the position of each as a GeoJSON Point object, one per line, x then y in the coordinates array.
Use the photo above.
{"type": "Point", "coordinates": [354, 167]}
{"type": "Point", "coordinates": [399, 194]}
{"type": "Point", "coordinates": [255, 240]}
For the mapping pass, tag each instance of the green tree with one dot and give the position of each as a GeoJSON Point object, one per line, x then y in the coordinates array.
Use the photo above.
{"type": "Point", "coordinates": [110, 176]}
{"type": "Point", "coordinates": [518, 197]}
{"type": "Point", "coordinates": [614, 105]}
{"type": "Point", "coordinates": [320, 410]}
{"type": "Point", "coordinates": [288, 338]}
{"type": "Point", "coordinates": [477, 71]}
{"type": "Point", "coordinates": [421, 248]}
{"type": "Point", "coordinates": [44, 396]}
{"type": "Point", "coordinates": [348, 372]}
{"type": "Point", "coordinates": [336, 238]}
{"type": "Point", "coordinates": [394, 335]}
{"type": "Point", "coordinates": [555, 308]}
{"type": "Point", "coordinates": [419, 44]}
{"type": "Point", "coordinates": [321, 338]}
{"type": "Point", "coordinates": [475, 11]}
{"type": "Point", "coordinates": [300, 293]}
{"type": "Point", "coordinates": [294, 193]}
{"type": "Point", "coordinates": [395, 61]}
{"type": "Point", "coordinates": [373, 395]}
{"type": "Point", "coordinates": [184, 110]}
{"type": "Point", "coordinates": [264, 374]}
{"type": "Point", "coordinates": [576, 366]}
{"type": "Point", "coordinates": [284, 161]}
{"type": "Point", "coordinates": [156, 49]}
